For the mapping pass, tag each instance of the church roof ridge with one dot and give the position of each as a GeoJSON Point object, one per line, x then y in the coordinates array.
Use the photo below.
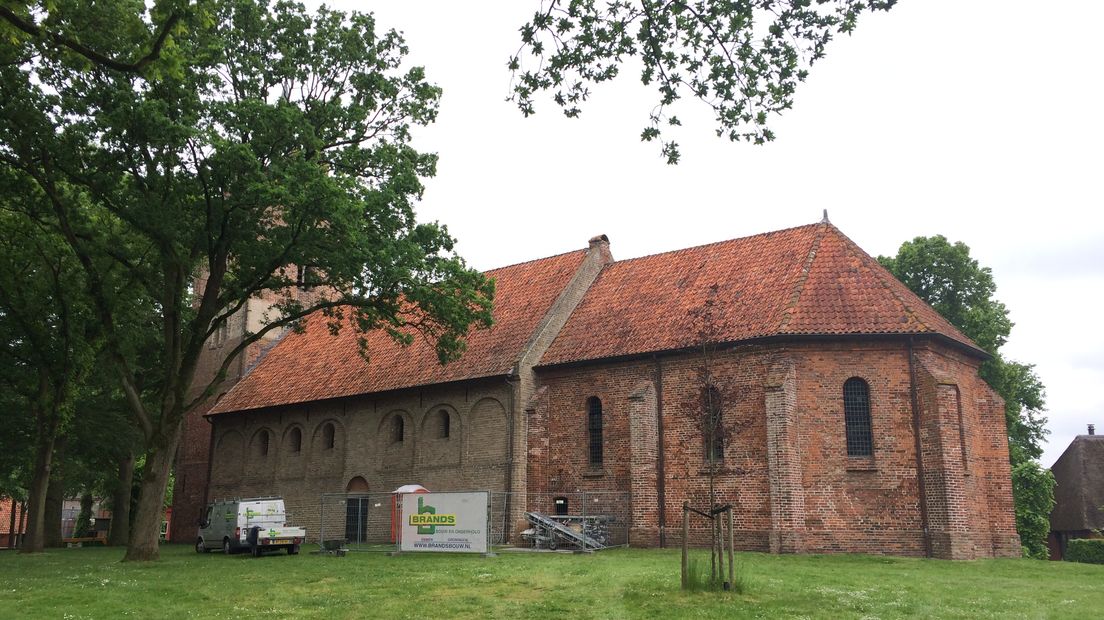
{"type": "Point", "coordinates": [809, 280]}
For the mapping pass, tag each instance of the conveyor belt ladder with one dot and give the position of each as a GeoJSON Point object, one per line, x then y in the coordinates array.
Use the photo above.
{"type": "Point", "coordinates": [584, 541]}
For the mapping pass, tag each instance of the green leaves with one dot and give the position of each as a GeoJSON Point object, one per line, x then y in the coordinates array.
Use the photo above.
{"type": "Point", "coordinates": [742, 59]}
{"type": "Point", "coordinates": [1033, 488]}
{"type": "Point", "coordinates": [944, 275]}
{"type": "Point", "coordinates": [271, 158]}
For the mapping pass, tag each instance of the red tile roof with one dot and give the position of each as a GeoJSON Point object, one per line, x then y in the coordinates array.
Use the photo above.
{"type": "Point", "coordinates": [314, 365]}
{"type": "Point", "coordinates": [810, 280]}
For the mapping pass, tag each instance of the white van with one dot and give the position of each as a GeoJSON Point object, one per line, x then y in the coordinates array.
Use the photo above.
{"type": "Point", "coordinates": [258, 524]}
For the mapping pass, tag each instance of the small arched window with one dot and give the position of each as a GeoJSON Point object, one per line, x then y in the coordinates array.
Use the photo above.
{"type": "Point", "coordinates": [295, 440]}
{"type": "Point", "coordinates": [560, 505]}
{"type": "Point", "coordinates": [262, 443]}
{"type": "Point", "coordinates": [328, 436]}
{"type": "Point", "coordinates": [444, 423]}
{"type": "Point", "coordinates": [397, 429]}
{"type": "Point", "coordinates": [856, 417]}
{"type": "Point", "coordinates": [712, 424]}
{"type": "Point", "coordinates": [594, 430]}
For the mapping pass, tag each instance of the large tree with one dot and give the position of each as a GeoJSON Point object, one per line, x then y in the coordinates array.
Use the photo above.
{"type": "Point", "coordinates": [742, 59]}
{"type": "Point", "coordinates": [272, 157]}
{"type": "Point", "coordinates": [944, 275]}
{"type": "Point", "coordinates": [45, 337]}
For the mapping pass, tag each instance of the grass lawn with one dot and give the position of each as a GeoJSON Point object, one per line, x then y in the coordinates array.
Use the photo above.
{"type": "Point", "coordinates": [624, 583]}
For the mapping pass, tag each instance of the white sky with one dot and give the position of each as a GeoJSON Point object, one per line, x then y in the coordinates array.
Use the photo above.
{"type": "Point", "coordinates": [979, 120]}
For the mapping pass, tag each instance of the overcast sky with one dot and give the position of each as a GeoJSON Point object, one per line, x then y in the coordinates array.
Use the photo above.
{"type": "Point", "coordinates": [978, 120]}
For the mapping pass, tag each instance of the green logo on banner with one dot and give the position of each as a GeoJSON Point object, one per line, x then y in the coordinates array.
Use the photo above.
{"type": "Point", "coordinates": [428, 520]}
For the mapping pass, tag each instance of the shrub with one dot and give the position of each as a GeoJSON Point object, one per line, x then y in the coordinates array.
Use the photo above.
{"type": "Point", "coordinates": [1033, 490]}
{"type": "Point", "coordinates": [1087, 550]}
{"type": "Point", "coordinates": [698, 576]}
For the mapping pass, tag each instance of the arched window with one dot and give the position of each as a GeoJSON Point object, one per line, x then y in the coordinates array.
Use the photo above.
{"type": "Point", "coordinates": [560, 505]}
{"type": "Point", "coordinates": [856, 416]}
{"type": "Point", "coordinates": [262, 443]}
{"type": "Point", "coordinates": [594, 429]}
{"type": "Point", "coordinates": [328, 436]}
{"type": "Point", "coordinates": [444, 423]}
{"type": "Point", "coordinates": [712, 424]}
{"type": "Point", "coordinates": [295, 440]}
{"type": "Point", "coordinates": [396, 429]}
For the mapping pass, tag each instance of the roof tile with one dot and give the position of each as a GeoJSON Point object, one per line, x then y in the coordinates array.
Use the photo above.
{"type": "Point", "coordinates": [315, 365]}
{"type": "Point", "coordinates": [800, 281]}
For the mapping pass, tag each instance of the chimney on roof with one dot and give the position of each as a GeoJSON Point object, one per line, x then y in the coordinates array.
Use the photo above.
{"type": "Point", "coordinates": [600, 250]}
{"type": "Point", "coordinates": [1092, 429]}
{"type": "Point", "coordinates": [824, 220]}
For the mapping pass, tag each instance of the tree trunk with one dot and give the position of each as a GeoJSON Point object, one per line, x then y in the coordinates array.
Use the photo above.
{"type": "Point", "coordinates": [34, 540]}
{"type": "Point", "coordinates": [22, 524]}
{"type": "Point", "coordinates": [120, 503]}
{"type": "Point", "coordinates": [731, 545]}
{"type": "Point", "coordinates": [146, 529]}
{"type": "Point", "coordinates": [55, 502]}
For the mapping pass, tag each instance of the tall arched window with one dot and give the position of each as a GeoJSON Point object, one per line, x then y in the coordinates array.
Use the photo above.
{"type": "Point", "coordinates": [856, 416]}
{"type": "Point", "coordinates": [594, 430]}
{"type": "Point", "coordinates": [397, 429]}
{"type": "Point", "coordinates": [328, 436]}
{"type": "Point", "coordinates": [262, 443]}
{"type": "Point", "coordinates": [295, 440]}
{"type": "Point", "coordinates": [444, 423]}
{"type": "Point", "coordinates": [712, 424]}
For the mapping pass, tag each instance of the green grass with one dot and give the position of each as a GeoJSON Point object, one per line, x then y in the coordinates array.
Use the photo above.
{"type": "Point", "coordinates": [626, 583]}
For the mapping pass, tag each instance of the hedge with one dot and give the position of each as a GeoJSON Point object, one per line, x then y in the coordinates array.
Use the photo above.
{"type": "Point", "coordinates": [1087, 550]}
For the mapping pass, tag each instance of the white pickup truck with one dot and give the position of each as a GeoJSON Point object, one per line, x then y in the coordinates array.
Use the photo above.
{"type": "Point", "coordinates": [258, 524]}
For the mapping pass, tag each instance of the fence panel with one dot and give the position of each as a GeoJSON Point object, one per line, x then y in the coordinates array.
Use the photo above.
{"type": "Point", "coordinates": [363, 520]}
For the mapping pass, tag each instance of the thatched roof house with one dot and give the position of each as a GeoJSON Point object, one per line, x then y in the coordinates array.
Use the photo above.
{"type": "Point", "coordinates": [1079, 495]}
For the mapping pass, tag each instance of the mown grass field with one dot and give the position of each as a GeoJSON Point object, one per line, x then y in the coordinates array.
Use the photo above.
{"type": "Point", "coordinates": [626, 583]}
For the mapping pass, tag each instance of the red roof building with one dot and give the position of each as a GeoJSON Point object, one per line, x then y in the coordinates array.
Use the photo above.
{"type": "Point", "coordinates": [854, 418]}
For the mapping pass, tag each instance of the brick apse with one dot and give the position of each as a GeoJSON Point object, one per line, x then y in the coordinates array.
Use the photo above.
{"type": "Point", "coordinates": [855, 419]}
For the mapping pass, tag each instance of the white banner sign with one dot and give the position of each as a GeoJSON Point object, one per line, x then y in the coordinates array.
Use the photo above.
{"type": "Point", "coordinates": [454, 522]}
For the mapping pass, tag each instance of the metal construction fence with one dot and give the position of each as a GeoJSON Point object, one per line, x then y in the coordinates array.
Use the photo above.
{"type": "Point", "coordinates": [370, 521]}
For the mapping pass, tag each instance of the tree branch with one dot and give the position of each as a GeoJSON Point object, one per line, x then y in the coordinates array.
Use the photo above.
{"type": "Point", "coordinates": [61, 40]}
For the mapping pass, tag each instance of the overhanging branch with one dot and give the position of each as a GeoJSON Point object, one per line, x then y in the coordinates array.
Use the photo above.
{"type": "Point", "coordinates": [33, 29]}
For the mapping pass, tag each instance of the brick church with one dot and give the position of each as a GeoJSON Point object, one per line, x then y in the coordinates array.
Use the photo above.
{"type": "Point", "coordinates": [859, 422]}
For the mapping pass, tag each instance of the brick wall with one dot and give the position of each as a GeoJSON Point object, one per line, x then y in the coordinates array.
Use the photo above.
{"type": "Point", "coordinates": [9, 535]}
{"type": "Point", "coordinates": [969, 491]}
{"type": "Point", "coordinates": [489, 422]}
{"type": "Point", "coordinates": [472, 457]}
{"type": "Point", "coordinates": [786, 468]}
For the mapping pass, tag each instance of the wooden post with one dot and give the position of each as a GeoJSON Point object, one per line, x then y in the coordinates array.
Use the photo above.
{"type": "Point", "coordinates": [685, 538]}
{"type": "Point", "coordinates": [731, 544]}
{"type": "Point", "coordinates": [718, 538]}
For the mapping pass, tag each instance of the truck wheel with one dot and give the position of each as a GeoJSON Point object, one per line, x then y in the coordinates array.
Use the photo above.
{"type": "Point", "coordinates": [200, 547]}
{"type": "Point", "coordinates": [293, 550]}
{"type": "Point", "coordinates": [552, 544]}
{"type": "Point", "coordinates": [254, 541]}
{"type": "Point", "coordinates": [226, 548]}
